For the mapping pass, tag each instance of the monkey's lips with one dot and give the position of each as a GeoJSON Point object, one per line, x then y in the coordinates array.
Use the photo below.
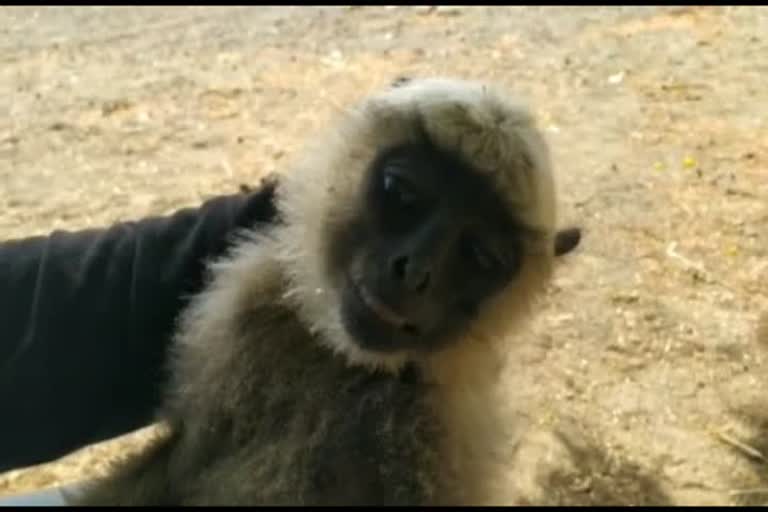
{"type": "Point", "coordinates": [383, 312]}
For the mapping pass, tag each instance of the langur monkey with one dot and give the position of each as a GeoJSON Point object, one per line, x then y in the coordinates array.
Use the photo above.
{"type": "Point", "coordinates": [349, 353]}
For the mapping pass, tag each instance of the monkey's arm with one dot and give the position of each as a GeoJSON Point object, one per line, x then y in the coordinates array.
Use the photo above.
{"type": "Point", "coordinates": [86, 318]}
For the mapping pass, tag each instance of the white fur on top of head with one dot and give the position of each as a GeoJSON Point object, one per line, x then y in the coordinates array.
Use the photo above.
{"type": "Point", "coordinates": [494, 135]}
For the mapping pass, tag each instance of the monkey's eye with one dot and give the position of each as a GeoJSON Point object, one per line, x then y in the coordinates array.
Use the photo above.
{"type": "Point", "coordinates": [399, 189]}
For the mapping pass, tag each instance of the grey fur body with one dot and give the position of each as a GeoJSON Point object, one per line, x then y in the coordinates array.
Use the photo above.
{"type": "Point", "coordinates": [272, 402]}
{"type": "Point", "coordinates": [317, 432]}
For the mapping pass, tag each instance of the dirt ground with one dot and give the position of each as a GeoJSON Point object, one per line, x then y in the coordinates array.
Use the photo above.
{"type": "Point", "coordinates": [643, 379]}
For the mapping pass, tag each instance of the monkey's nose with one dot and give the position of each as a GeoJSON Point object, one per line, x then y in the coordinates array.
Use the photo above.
{"type": "Point", "coordinates": [414, 277]}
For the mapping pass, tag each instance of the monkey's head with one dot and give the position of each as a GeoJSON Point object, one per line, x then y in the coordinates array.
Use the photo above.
{"type": "Point", "coordinates": [426, 217]}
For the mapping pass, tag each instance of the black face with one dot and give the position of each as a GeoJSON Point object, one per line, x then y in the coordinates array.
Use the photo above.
{"type": "Point", "coordinates": [433, 242]}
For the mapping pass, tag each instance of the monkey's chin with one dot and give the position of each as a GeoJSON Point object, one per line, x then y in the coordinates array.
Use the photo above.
{"type": "Point", "coordinates": [366, 326]}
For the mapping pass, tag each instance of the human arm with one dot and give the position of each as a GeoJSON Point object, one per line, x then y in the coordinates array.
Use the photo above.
{"type": "Point", "coordinates": [86, 318]}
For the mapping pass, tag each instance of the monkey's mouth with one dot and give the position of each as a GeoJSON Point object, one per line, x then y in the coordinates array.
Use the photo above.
{"type": "Point", "coordinates": [382, 311]}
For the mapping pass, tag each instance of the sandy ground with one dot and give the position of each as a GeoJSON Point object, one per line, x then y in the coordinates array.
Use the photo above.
{"type": "Point", "coordinates": [642, 381]}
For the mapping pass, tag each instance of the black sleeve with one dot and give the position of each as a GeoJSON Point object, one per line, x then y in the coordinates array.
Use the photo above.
{"type": "Point", "coordinates": [86, 318]}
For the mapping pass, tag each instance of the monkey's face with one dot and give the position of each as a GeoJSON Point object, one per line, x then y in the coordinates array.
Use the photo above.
{"type": "Point", "coordinates": [431, 243]}
{"type": "Point", "coordinates": [427, 215]}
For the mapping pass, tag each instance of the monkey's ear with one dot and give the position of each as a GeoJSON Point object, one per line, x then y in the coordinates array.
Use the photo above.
{"type": "Point", "coordinates": [401, 80]}
{"type": "Point", "coordinates": [566, 240]}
